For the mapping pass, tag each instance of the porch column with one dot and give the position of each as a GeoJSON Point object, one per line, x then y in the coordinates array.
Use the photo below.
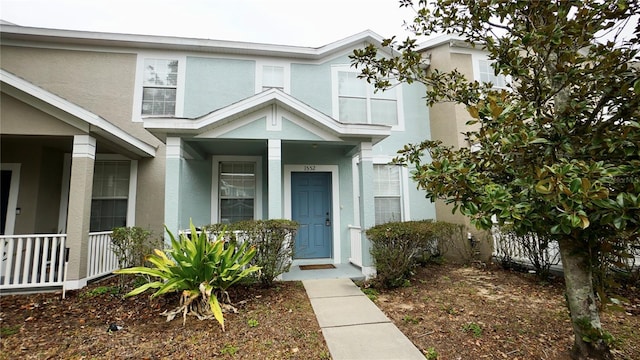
{"type": "Point", "coordinates": [275, 179]}
{"type": "Point", "coordinates": [172, 204]}
{"type": "Point", "coordinates": [79, 209]}
{"type": "Point", "coordinates": [367, 206]}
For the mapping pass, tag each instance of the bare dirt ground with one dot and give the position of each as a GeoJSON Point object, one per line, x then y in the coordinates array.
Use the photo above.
{"type": "Point", "coordinates": [453, 312]}
{"type": "Point", "coordinates": [468, 313]}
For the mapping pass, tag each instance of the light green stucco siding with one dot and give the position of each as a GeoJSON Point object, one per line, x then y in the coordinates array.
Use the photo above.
{"type": "Point", "coordinates": [215, 83]}
{"type": "Point", "coordinates": [195, 192]}
{"type": "Point", "coordinates": [311, 83]}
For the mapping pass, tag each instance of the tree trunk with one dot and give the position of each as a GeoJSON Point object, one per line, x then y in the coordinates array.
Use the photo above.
{"type": "Point", "coordinates": [590, 342]}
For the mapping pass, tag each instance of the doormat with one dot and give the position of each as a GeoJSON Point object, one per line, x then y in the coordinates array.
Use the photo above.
{"type": "Point", "coordinates": [317, 267]}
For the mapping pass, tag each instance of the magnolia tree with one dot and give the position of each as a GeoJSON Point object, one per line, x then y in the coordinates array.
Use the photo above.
{"type": "Point", "coordinates": [558, 151]}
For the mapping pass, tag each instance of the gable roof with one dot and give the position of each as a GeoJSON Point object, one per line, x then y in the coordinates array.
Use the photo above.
{"type": "Point", "coordinates": [10, 33]}
{"type": "Point", "coordinates": [71, 113]}
{"type": "Point", "coordinates": [162, 126]}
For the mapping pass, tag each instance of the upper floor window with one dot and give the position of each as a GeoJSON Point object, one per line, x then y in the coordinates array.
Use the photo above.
{"type": "Point", "coordinates": [487, 74]}
{"type": "Point", "coordinates": [160, 83]}
{"type": "Point", "coordinates": [356, 101]}
{"type": "Point", "coordinates": [272, 77]}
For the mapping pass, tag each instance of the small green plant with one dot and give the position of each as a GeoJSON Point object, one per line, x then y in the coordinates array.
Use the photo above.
{"type": "Point", "coordinates": [229, 349]}
{"type": "Point", "coordinates": [431, 354]}
{"type": "Point", "coordinates": [6, 331]}
{"type": "Point", "coordinates": [410, 319]}
{"type": "Point", "coordinates": [449, 309]}
{"type": "Point", "coordinates": [253, 323]}
{"type": "Point", "coordinates": [130, 245]}
{"type": "Point", "coordinates": [371, 293]}
{"type": "Point", "coordinates": [473, 328]}
{"type": "Point", "coordinates": [101, 290]}
{"type": "Point", "coordinates": [200, 269]}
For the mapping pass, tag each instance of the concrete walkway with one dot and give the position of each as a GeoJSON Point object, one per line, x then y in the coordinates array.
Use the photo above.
{"type": "Point", "coordinates": [353, 326]}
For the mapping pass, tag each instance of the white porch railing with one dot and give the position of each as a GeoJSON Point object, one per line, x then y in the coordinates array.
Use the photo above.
{"type": "Point", "coordinates": [355, 236]}
{"type": "Point", "coordinates": [101, 258]}
{"type": "Point", "coordinates": [31, 261]}
{"type": "Point", "coordinates": [508, 246]}
{"type": "Point", "coordinates": [37, 260]}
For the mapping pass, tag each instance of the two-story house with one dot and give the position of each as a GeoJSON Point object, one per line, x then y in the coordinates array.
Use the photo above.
{"type": "Point", "coordinates": [101, 130]}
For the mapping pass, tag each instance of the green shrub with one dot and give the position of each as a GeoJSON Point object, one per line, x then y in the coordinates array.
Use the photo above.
{"type": "Point", "coordinates": [131, 245]}
{"type": "Point", "coordinates": [398, 247]}
{"type": "Point", "coordinates": [273, 241]}
{"type": "Point", "coordinates": [200, 269]}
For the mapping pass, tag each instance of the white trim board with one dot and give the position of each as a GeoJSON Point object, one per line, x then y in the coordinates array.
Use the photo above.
{"type": "Point", "coordinates": [12, 202]}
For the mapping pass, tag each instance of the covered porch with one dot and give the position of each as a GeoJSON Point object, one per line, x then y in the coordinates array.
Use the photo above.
{"type": "Point", "coordinates": [271, 156]}
{"type": "Point", "coordinates": [50, 148]}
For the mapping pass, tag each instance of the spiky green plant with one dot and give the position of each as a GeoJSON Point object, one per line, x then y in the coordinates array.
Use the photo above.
{"type": "Point", "coordinates": [200, 268]}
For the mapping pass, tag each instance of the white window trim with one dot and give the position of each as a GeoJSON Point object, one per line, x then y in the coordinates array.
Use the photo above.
{"type": "Point", "coordinates": [215, 175]}
{"type": "Point", "coordinates": [260, 64]}
{"type": "Point", "coordinates": [475, 59]}
{"type": "Point", "coordinates": [404, 186]}
{"type": "Point", "coordinates": [335, 200]}
{"type": "Point", "coordinates": [12, 203]}
{"type": "Point", "coordinates": [139, 84]}
{"type": "Point", "coordinates": [335, 102]}
{"type": "Point", "coordinates": [64, 194]}
{"type": "Point", "coordinates": [133, 186]}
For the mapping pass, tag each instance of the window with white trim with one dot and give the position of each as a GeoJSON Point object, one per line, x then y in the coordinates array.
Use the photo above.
{"type": "Point", "coordinates": [236, 191]}
{"type": "Point", "coordinates": [160, 87]}
{"type": "Point", "coordinates": [387, 193]}
{"type": "Point", "coordinates": [272, 77]}
{"type": "Point", "coordinates": [487, 74]}
{"type": "Point", "coordinates": [358, 102]}
{"type": "Point", "coordinates": [109, 201]}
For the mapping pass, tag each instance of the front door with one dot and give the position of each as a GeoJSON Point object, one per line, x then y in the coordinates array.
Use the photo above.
{"type": "Point", "coordinates": [311, 209]}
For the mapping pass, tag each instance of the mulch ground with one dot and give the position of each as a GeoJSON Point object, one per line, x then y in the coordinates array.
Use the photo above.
{"type": "Point", "coordinates": [275, 323]}
{"type": "Point", "coordinates": [464, 313]}
{"type": "Point", "coordinates": [448, 312]}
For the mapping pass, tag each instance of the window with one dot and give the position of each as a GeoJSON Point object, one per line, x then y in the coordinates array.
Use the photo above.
{"type": "Point", "coordinates": [110, 195]}
{"type": "Point", "coordinates": [487, 74]}
{"type": "Point", "coordinates": [358, 102]}
{"type": "Point", "coordinates": [272, 77]}
{"type": "Point", "coordinates": [237, 191]}
{"type": "Point", "coordinates": [387, 193]}
{"type": "Point", "coordinates": [160, 82]}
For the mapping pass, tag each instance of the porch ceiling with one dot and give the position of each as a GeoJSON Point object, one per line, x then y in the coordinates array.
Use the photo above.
{"type": "Point", "coordinates": [202, 148]}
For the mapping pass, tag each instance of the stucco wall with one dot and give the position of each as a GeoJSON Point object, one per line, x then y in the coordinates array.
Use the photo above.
{"type": "Point", "coordinates": [215, 83]}
{"type": "Point", "coordinates": [19, 118]}
{"type": "Point", "coordinates": [311, 83]}
{"type": "Point", "coordinates": [100, 82]}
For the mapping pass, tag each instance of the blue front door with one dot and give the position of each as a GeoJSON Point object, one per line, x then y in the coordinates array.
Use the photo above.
{"type": "Point", "coordinates": [311, 208]}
